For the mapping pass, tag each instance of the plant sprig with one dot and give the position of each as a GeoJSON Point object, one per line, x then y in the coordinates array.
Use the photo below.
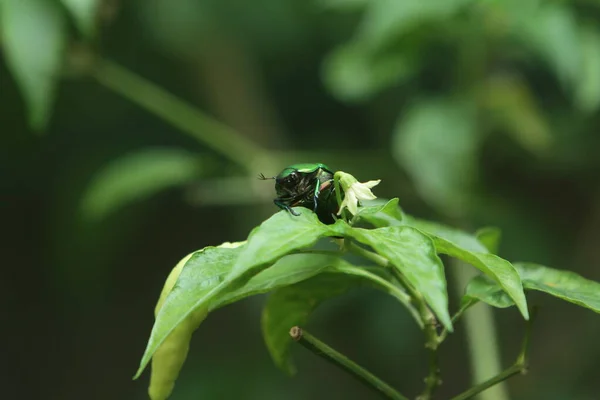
{"type": "Point", "coordinates": [400, 257]}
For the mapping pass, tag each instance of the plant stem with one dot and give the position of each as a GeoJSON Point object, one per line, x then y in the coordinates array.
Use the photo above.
{"type": "Point", "coordinates": [482, 338]}
{"type": "Point", "coordinates": [455, 318]}
{"type": "Point", "coordinates": [321, 349]}
{"type": "Point", "coordinates": [432, 342]}
{"type": "Point", "coordinates": [427, 320]}
{"type": "Point", "coordinates": [188, 119]}
{"type": "Point", "coordinates": [502, 376]}
{"type": "Point", "coordinates": [369, 255]}
{"type": "Point", "coordinates": [519, 367]}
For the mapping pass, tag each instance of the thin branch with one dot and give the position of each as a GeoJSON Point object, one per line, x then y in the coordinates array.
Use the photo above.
{"type": "Point", "coordinates": [322, 350]}
{"type": "Point", "coordinates": [519, 367]}
{"type": "Point", "coordinates": [455, 318]}
{"type": "Point", "coordinates": [502, 376]}
{"type": "Point", "coordinates": [188, 119]}
{"type": "Point", "coordinates": [479, 325]}
{"type": "Point", "coordinates": [432, 342]}
{"type": "Point", "coordinates": [428, 321]}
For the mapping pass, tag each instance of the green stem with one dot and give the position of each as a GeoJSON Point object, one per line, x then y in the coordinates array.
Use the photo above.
{"type": "Point", "coordinates": [322, 350]}
{"type": "Point", "coordinates": [455, 318]}
{"type": "Point", "coordinates": [369, 255]}
{"type": "Point", "coordinates": [502, 376]}
{"type": "Point", "coordinates": [482, 337]}
{"type": "Point", "coordinates": [182, 115]}
{"type": "Point", "coordinates": [519, 367]}
{"type": "Point", "coordinates": [427, 320]}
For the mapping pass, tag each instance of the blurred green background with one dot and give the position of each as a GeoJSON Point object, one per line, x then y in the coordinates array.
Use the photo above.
{"type": "Point", "coordinates": [471, 112]}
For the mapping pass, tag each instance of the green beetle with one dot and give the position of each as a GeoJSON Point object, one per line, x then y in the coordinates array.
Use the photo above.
{"type": "Point", "coordinates": [308, 185]}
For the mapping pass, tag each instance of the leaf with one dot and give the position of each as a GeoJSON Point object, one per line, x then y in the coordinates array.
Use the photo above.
{"type": "Point", "coordinates": [378, 282]}
{"type": "Point", "coordinates": [293, 305]}
{"type": "Point", "coordinates": [565, 285]}
{"type": "Point", "coordinates": [353, 74]}
{"type": "Point", "coordinates": [169, 357]}
{"type": "Point", "coordinates": [482, 288]}
{"type": "Point", "coordinates": [414, 255]}
{"type": "Point", "coordinates": [225, 270]}
{"type": "Point", "coordinates": [455, 236]}
{"type": "Point", "coordinates": [84, 13]}
{"type": "Point", "coordinates": [587, 90]}
{"type": "Point", "coordinates": [199, 273]}
{"type": "Point", "coordinates": [463, 246]}
{"type": "Point", "coordinates": [34, 37]}
{"type": "Point", "coordinates": [489, 237]}
{"type": "Point", "coordinates": [387, 19]}
{"type": "Point", "coordinates": [280, 235]}
{"type": "Point", "coordinates": [137, 176]}
{"type": "Point", "coordinates": [436, 141]}
{"type": "Point", "coordinates": [512, 106]}
{"type": "Point", "coordinates": [551, 31]}
{"type": "Point", "coordinates": [493, 266]}
{"type": "Point", "coordinates": [388, 214]}
{"type": "Point", "coordinates": [286, 271]}
{"type": "Point", "coordinates": [343, 5]}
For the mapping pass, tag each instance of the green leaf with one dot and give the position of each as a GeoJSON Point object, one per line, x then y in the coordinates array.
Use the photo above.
{"type": "Point", "coordinates": [378, 282]}
{"type": "Point", "coordinates": [587, 90]}
{"type": "Point", "coordinates": [280, 235]}
{"type": "Point", "coordinates": [388, 214]}
{"type": "Point", "coordinates": [226, 270]}
{"type": "Point", "coordinates": [343, 5]}
{"type": "Point", "coordinates": [489, 237]}
{"type": "Point", "coordinates": [84, 13]}
{"type": "Point", "coordinates": [414, 255]}
{"type": "Point", "coordinates": [386, 20]}
{"type": "Point", "coordinates": [565, 285]}
{"type": "Point", "coordinates": [482, 288]}
{"type": "Point", "coordinates": [513, 107]}
{"type": "Point", "coordinates": [205, 273]}
{"type": "Point", "coordinates": [199, 273]}
{"type": "Point", "coordinates": [352, 73]}
{"type": "Point", "coordinates": [463, 246]}
{"type": "Point", "coordinates": [493, 266]}
{"type": "Point", "coordinates": [286, 271]}
{"type": "Point", "coordinates": [34, 38]}
{"type": "Point", "coordinates": [136, 177]}
{"type": "Point", "coordinates": [551, 31]}
{"type": "Point", "coordinates": [455, 236]}
{"type": "Point", "coordinates": [437, 143]}
{"type": "Point", "coordinates": [293, 305]}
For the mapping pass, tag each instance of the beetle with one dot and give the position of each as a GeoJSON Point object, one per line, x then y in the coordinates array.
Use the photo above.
{"type": "Point", "coordinates": [308, 185]}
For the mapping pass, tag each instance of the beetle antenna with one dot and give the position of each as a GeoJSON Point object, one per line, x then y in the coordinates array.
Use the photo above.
{"type": "Point", "coordinates": [262, 177]}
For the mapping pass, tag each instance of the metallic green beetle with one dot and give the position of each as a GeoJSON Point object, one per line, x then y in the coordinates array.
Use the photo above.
{"type": "Point", "coordinates": [306, 185]}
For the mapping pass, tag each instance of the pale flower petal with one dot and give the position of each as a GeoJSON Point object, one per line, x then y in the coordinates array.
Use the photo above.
{"type": "Point", "coordinates": [348, 202]}
{"type": "Point", "coordinates": [363, 190]}
{"type": "Point", "coordinates": [355, 193]}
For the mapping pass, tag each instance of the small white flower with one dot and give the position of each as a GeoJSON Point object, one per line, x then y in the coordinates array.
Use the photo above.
{"type": "Point", "coordinates": [354, 192]}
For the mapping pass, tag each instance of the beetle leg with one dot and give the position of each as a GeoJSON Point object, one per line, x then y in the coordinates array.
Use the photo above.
{"type": "Point", "coordinates": [285, 207]}
{"type": "Point", "coordinates": [291, 211]}
{"type": "Point", "coordinates": [316, 196]}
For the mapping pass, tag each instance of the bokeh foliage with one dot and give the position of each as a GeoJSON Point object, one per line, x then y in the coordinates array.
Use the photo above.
{"type": "Point", "coordinates": [482, 112]}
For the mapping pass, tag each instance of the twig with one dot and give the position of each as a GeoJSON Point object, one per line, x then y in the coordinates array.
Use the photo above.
{"type": "Point", "coordinates": [180, 114]}
{"type": "Point", "coordinates": [428, 322]}
{"type": "Point", "coordinates": [326, 352]}
{"type": "Point", "coordinates": [519, 367]}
